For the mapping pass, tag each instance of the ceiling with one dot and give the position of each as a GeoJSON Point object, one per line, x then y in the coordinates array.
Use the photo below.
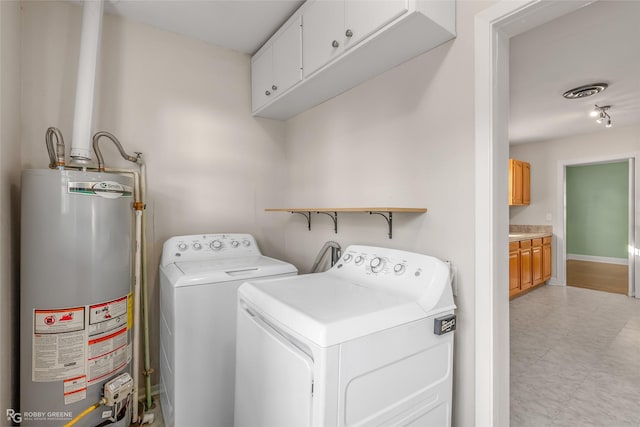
{"type": "Point", "coordinates": [242, 25]}
{"type": "Point", "coordinates": [597, 43]}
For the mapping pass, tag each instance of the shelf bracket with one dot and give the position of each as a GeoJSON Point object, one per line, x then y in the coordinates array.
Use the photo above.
{"type": "Point", "coordinates": [389, 220]}
{"type": "Point", "coordinates": [334, 217]}
{"type": "Point", "coordinates": [307, 215]}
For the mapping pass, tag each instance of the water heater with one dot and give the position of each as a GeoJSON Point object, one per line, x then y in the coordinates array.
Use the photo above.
{"type": "Point", "coordinates": [75, 296]}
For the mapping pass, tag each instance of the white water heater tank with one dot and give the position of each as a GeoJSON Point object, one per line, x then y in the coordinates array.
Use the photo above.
{"type": "Point", "coordinates": [75, 293]}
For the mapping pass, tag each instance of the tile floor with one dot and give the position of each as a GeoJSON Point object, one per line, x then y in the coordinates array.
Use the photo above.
{"type": "Point", "coordinates": [575, 359]}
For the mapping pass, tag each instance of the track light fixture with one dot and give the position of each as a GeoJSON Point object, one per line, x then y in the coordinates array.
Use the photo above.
{"type": "Point", "coordinates": [602, 114]}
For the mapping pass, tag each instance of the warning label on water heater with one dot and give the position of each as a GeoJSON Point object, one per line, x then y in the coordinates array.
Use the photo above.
{"type": "Point", "coordinates": [108, 354]}
{"type": "Point", "coordinates": [75, 389]}
{"type": "Point", "coordinates": [108, 316]}
{"type": "Point", "coordinates": [58, 344]}
{"type": "Point", "coordinates": [108, 342]}
{"type": "Point", "coordinates": [81, 345]}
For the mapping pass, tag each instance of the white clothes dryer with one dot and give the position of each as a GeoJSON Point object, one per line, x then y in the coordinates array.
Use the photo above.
{"type": "Point", "coordinates": [368, 342]}
{"type": "Point", "coordinates": [199, 279]}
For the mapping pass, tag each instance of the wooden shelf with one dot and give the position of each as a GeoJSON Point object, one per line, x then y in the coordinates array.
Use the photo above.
{"type": "Point", "coordinates": [385, 212]}
{"type": "Point", "coordinates": [408, 210]}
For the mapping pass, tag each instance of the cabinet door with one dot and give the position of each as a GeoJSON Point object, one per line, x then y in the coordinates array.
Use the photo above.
{"type": "Point", "coordinates": [546, 259]}
{"type": "Point", "coordinates": [536, 262]}
{"type": "Point", "coordinates": [364, 17]}
{"type": "Point", "coordinates": [261, 79]}
{"type": "Point", "coordinates": [514, 272]}
{"type": "Point", "coordinates": [322, 25]}
{"type": "Point", "coordinates": [287, 58]}
{"type": "Point", "coordinates": [516, 189]}
{"type": "Point", "coordinates": [525, 265]}
{"type": "Point", "coordinates": [526, 183]}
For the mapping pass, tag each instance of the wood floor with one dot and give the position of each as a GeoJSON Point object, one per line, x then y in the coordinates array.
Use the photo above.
{"type": "Point", "coordinates": [598, 276]}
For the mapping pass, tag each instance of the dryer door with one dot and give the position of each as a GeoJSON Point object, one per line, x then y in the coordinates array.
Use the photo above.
{"type": "Point", "coordinates": [274, 378]}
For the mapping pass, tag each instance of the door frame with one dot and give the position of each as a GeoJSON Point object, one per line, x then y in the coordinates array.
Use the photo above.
{"type": "Point", "coordinates": [494, 27]}
{"type": "Point", "coordinates": [633, 236]}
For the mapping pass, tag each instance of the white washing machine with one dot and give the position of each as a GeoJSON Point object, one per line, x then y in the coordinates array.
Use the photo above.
{"type": "Point", "coordinates": [199, 279]}
{"type": "Point", "coordinates": [369, 342]}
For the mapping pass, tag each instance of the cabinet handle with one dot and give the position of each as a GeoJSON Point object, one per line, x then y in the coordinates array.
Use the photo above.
{"type": "Point", "coordinates": [274, 87]}
{"type": "Point", "coordinates": [335, 43]}
{"type": "Point", "coordinates": [266, 92]}
{"type": "Point", "coordinates": [348, 33]}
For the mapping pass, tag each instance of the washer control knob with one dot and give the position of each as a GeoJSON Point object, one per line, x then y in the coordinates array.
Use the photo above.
{"type": "Point", "coordinates": [246, 243]}
{"type": "Point", "coordinates": [377, 264]}
{"type": "Point", "coordinates": [182, 246]}
{"type": "Point", "coordinates": [399, 268]}
{"type": "Point", "coordinates": [197, 246]}
{"type": "Point", "coordinates": [347, 257]}
{"type": "Point", "coordinates": [235, 243]}
{"type": "Point", "coordinates": [216, 245]}
{"type": "Point", "coordinates": [359, 260]}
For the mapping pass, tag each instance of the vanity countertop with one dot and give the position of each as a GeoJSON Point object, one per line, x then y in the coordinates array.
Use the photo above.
{"type": "Point", "coordinates": [518, 233]}
{"type": "Point", "coordinates": [518, 236]}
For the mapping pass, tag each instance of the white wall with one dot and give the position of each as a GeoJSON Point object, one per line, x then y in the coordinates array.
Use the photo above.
{"type": "Point", "coordinates": [544, 157]}
{"type": "Point", "coordinates": [184, 103]}
{"type": "Point", "coordinates": [9, 199]}
{"type": "Point", "coordinates": [406, 139]}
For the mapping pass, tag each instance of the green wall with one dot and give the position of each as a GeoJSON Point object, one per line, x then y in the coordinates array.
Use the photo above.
{"type": "Point", "coordinates": [598, 209]}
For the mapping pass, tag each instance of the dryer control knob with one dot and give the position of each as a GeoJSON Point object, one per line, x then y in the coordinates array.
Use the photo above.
{"type": "Point", "coordinates": [347, 257]}
{"type": "Point", "coordinates": [235, 243]}
{"type": "Point", "coordinates": [216, 245]}
{"type": "Point", "coordinates": [197, 246]}
{"type": "Point", "coordinates": [399, 268]}
{"type": "Point", "coordinates": [359, 260]}
{"type": "Point", "coordinates": [182, 246]}
{"type": "Point", "coordinates": [246, 243]}
{"type": "Point", "coordinates": [377, 264]}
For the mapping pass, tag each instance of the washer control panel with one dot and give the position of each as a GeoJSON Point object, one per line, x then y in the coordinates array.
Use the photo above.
{"type": "Point", "coordinates": [199, 247]}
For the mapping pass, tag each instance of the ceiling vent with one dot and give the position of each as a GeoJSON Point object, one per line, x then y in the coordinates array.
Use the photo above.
{"type": "Point", "coordinates": [585, 91]}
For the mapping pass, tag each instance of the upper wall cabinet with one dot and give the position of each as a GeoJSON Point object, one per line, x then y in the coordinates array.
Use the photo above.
{"type": "Point", "coordinates": [331, 27]}
{"type": "Point", "coordinates": [278, 65]}
{"type": "Point", "coordinates": [344, 43]}
{"type": "Point", "coordinates": [519, 183]}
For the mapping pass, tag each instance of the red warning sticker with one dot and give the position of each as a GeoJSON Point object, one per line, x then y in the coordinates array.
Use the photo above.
{"type": "Point", "coordinates": [107, 355]}
{"type": "Point", "coordinates": [58, 347]}
{"type": "Point", "coordinates": [57, 321]}
{"type": "Point", "coordinates": [108, 316]}
{"type": "Point", "coordinates": [75, 389]}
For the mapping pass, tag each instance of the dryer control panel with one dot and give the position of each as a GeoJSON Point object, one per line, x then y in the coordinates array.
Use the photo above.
{"type": "Point", "coordinates": [200, 247]}
{"type": "Point", "coordinates": [422, 278]}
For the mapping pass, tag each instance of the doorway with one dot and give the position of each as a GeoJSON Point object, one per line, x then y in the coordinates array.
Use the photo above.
{"type": "Point", "coordinates": [622, 261]}
{"type": "Point", "coordinates": [494, 27]}
{"type": "Point", "coordinates": [597, 226]}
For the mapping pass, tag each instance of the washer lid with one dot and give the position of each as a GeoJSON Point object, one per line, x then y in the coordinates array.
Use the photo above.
{"type": "Point", "coordinates": [229, 269]}
{"type": "Point", "coordinates": [328, 310]}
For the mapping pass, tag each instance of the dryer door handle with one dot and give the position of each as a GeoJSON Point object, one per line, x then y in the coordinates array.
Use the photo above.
{"type": "Point", "coordinates": [284, 338]}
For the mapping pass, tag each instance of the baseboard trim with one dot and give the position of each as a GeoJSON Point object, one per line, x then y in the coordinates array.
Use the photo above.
{"type": "Point", "coordinates": [602, 259]}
